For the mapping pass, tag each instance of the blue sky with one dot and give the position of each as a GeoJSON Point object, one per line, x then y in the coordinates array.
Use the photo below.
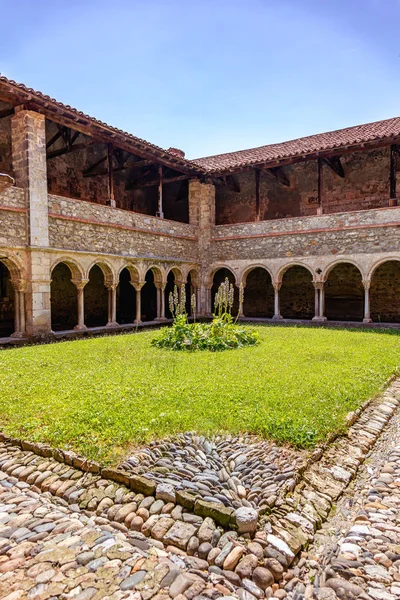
{"type": "Point", "coordinates": [210, 76]}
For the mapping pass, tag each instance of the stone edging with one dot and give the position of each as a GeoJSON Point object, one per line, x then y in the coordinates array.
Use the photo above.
{"type": "Point", "coordinates": [223, 516]}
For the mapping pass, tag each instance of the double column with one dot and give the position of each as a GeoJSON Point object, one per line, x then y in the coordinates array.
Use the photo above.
{"type": "Point", "coordinates": [19, 309]}
{"type": "Point", "coordinates": [319, 310]}
{"type": "Point", "coordinates": [277, 312]}
{"type": "Point", "coordinates": [160, 287]}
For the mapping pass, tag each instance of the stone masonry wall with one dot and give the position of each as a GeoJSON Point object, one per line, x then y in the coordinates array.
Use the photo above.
{"type": "Point", "coordinates": [346, 233]}
{"type": "Point", "coordinates": [13, 217]}
{"type": "Point", "coordinates": [366, 181]}
{"type": "Point", "coordinates": [80, 225]}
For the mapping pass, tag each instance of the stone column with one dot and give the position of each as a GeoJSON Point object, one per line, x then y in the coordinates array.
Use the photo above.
{"type": "Point", "coordinates": [29, 165]}
{"type": "Point", "coordinates": [19, 309]}
{"type": "Point", "coordinates": [277, 315]}
{"type": "Point", "coordinates": [112, 305]}
{"type": "Point", "coordinates": [208, 302]}
{"type": "Point", "coordinates": [161, 301]}
{"type": "Point", "coordinates": [367, 312]}
{"type": "Point", "coordinates": [81, 304]}
{"type": "Point", "coordinates": [241, 313]}
{"type": "Point", "coordinates": [138, 287]}
{"type": "Point", "coordinates": [319, 287]}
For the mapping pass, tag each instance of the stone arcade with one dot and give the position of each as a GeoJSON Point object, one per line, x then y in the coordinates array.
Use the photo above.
{"type": "Point", "coordinates": [97, 225]}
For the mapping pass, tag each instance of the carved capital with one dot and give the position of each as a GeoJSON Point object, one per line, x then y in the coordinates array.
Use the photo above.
{"type": "Point", "coordinates": [137, 285]}
{"type": "Point", "coordinates": [111, 286]}
{"type": "Point", "coordinates": [79, 283]}
{"type": "Point", "coordinates": [366, 283]}
{"type": "Point", "coordinates": [19, 285]}
{"type": "Point", "coordinates": [319, 285]}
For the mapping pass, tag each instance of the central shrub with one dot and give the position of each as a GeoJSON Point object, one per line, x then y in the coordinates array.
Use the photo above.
{"type": "Point", "coordinates": [223, 333]}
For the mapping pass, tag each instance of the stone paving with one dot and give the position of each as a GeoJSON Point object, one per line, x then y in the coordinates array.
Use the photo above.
{"type": "Point", "coordinates": [356, 554]}
{"type": "Point", "coordinates": [69, 533]}
{"type": "Point", "coordinates": [232, 470]}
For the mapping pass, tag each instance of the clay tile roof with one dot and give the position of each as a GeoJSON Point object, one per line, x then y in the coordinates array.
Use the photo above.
{"type": "Point", "coordinates": [332, 140]}
{"type": "Point", "coordinates": [28, 95]}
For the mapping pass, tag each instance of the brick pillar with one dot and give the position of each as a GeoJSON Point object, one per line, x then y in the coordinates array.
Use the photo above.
{"type": "Point", "coordinates": [202, 214]}
{"type": "Point", "coordinates": [29, 165]}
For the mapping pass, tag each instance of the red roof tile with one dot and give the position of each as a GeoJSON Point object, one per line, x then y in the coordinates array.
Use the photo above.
{"type": "Point", "coordinates": [29, 95]}
{"type": "Point", "coordinates": [332, 140]}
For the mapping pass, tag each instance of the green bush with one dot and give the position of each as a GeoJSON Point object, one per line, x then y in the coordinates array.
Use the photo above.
{"type": "Point", "coordinates": [223, 333]}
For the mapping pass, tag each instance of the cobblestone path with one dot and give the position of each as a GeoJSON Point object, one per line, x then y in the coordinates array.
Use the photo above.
{"type": "Point", "coordinates": [356, 554]}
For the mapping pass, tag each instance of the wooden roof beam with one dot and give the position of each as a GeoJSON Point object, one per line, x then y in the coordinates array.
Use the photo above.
{"type": "Point", "coordinates": [277, 173]}
{"type": "Point", "coordinates": [335, 164]}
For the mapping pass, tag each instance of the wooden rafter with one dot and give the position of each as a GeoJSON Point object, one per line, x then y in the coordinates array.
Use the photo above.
{"type": "Point", "coordinates": [258, 200]}
{"type": "Point", "coordinates": [139, 184]}
{"type": "Point", "coordinates": [278, 173]}
{"type": "Point", "coordinates": [394, 151]}
{"type": "Point", "coordinates": [69, 138]}
{"type": "Point", "coordinates": [335, 164]}
{"type": "Point", "coordinates": [7, 112]}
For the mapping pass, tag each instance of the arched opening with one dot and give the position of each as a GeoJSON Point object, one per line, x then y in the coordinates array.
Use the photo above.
{"type": "Point", "coordinates": [6, 302]}
{"type": "Point", "coordinates": [258, 294]}
{"type": "Point", "coordinates": [344, 294]}
{"type": "Point", "coordinates": [169, 288]}
{"type": "Point", "coordinates": [126, 298]}
{"type": "Point", "coordinates": [385, 293]}
{"type": "Point", "coordinates": [191, 287]}
{"type": "Point", "coordinates": [149, 297]}
{"type": "Point", "coordinates": [297, 296]}
{"type": "Point", "coordinates": [63, 299]}
{"type": "Point", "coordinates": [219, 277]}
{"type": "Point", "coordinates": [96, 299]}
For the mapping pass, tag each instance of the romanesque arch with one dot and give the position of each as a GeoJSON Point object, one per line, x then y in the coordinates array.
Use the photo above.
{"type": "Point", "coordinates": [258, 293]}
{"type": "Point", "coordinates": [297, 294]}
{"type": "Point", "coordinates": [192, 287]}
{"type": "Point", "coordinates": [64, 296]}
{"type": "Point", "coordinates": [150, 293]}
{"type": "Point", "coordinates": [385, 292]}
{"type": "Point", "coordinates": [219, 277]}
{"type": "Point", "coordinates": [344, 293]}
{"type": "Point", "coordinates": [174, 278]}
{"type": "Point", "coordinates": [7, 304]}
{"type": "Point", "coordinates": [96, 297]}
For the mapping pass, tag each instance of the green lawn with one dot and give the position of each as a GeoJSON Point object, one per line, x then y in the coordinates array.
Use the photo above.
{"type": "Point", "coordinates": [98, 396]}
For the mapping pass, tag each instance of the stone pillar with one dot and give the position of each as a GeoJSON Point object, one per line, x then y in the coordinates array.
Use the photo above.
{"type": "Point", "coordinates": [138, 287]}
{"type": "Point", "coordinates": [29, 165]}
{"type": "Point", "coordinates": [202, 215]}
{"type": "Point", "coordinates": [322, 302]}
{"type": "Point", "coordinates": [81, 304]}
{"type": "Point", "coordinates": [207, 304]}
{"type": "Point", "coordinates": [277, 315]}
{"type": "Point", "coordinates": [367, 312]}
{"type": "Point", "coordinates": [112, 305]}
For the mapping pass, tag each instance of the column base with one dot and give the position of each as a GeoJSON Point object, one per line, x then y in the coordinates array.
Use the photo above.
{"type": "Point", "coordinates": [367, 320]}
{"type": "Point", "coordinates": [161, 319]}
{"type": "Point", "coordinates": [277, 318]}
{"type": "Point", "coordinates": [18, 334]}
{"type": "Point", "coordinates": [137, 321]}
{"type": "Point", "coordinates": [111, 324]}
{"type": "Point", "coordinates": [80, 328]}
{"type": "Point", "coordinates": [319, 319]}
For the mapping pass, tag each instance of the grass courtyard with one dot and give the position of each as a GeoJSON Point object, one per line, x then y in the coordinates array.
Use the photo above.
{"type": "Point", "coordinates": [100, 396]}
